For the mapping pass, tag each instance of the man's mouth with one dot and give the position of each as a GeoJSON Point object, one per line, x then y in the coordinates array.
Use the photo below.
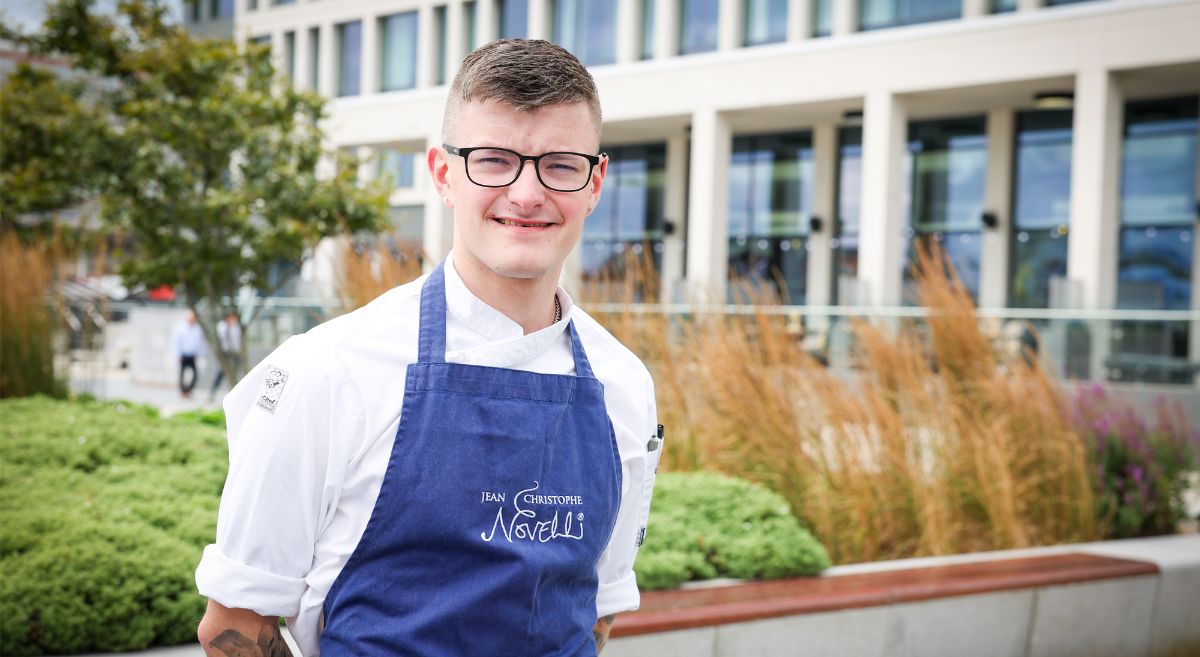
{"type": "Point", "coordinates": [521, 224]}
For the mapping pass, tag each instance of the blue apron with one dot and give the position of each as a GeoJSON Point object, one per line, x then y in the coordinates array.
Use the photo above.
{"type": "Point", "coordinates": [500, 495]}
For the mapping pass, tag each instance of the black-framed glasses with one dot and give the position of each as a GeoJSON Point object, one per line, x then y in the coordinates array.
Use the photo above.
{"type": "Point", "coordinates": [561, 171]}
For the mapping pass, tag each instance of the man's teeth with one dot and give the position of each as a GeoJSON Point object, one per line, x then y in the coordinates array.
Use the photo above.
{"type": "Point", "coordinates": [509, 222]}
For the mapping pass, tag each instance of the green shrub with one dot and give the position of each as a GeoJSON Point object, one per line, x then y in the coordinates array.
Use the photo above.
{"type": "Point", "coordinates": [704, 525]}
{"type": "Point", "coordinates": [104, 510]}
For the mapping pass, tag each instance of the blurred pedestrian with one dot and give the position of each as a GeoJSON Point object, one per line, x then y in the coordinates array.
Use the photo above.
{"type": "Point", "coordinates": [229, 340]}
{"type": "Point", "coordinates": [188, 344]}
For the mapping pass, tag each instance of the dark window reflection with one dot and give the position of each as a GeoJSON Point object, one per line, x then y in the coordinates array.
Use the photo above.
{"type": "Point", "coordinates": [770, 198]}
{"type": "Point", "coordinates": [349, 58]}
{"type": "Point", "coordinates": [849, 199]}
{"type": "Point", "coordinates": [765, 21]}
{"type": "Point", "coordinates": [697, 26]}
{"type": "Point", "coordinates": [1041, 206]}
{"type": "Point", "coordinates": [622, 238]}
{"type": "Point", "coordinates": [948, 170]}
{"type": "Point", "coordinates": [588, 29]}
{"type": "Point", "coordinates": [822, 18]}
{"type": "Point", "coordinates": [514, 19]}
{"type": "Point", "coordinates": [1158, 214]}
{"type": "Point", "coordinates": [877, 14]}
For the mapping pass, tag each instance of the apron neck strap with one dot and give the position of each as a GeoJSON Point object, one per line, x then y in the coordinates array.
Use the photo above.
{"type": "Point", "coordinates": [431, 342]}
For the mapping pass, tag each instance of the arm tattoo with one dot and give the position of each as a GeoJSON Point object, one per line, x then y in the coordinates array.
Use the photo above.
{"type": "Point", "coordinates": [232, 643]}
{"type": "Point", "coordinates": [600, 631]}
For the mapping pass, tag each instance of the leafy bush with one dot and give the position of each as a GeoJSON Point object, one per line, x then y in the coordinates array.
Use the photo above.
{"type": "Point", "coordinates": [1139, 471]}
{"type": "Point", "coordinates": [705, 525]}
{"type": "Point", "coordinates": [104, 509]}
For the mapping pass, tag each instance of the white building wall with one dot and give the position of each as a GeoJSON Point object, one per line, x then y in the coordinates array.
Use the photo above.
{"type": "Point", "coordinates": [983, 64]}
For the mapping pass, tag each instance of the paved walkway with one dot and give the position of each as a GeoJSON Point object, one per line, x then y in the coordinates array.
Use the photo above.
{"type": "Point", "coordinates": [118, 384]}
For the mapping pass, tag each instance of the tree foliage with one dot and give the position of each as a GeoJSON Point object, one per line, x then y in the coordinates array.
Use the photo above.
{"type": "Point", "coordinates": [200, 153]}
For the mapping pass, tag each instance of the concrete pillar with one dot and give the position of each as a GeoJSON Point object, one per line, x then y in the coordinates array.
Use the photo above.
{"type": "Point", "coordinates": [539, 19]}
{"type": "Point", "coordinates": [729, 25]}
{"type": "Point", "coordinates": [997, 199]}
{"type": "Point", "coordinates": [278, 56]}
{"type": "Point", "coordinates": [456, 38]}
{"type": "Point", "coordinates": [428, 44]}
{"type": "Point", "coordinates": [881, 241]}
{"type": "Point", "coordinates": [1029, 5]}
{"type": "Point", "coordinates": [370, 55]}
{"type": "Point", "coordinates": [487, 21]}
{"type": "Point", "coordinates": [629, 31]}
{"type": "Point", "coordinates": [675, 212]}
{"type": "Point", "coordinates": [327, 64]}
{"type": "Point", "coordinates": [708, 207]}
{"type": "Point", "coordinates": [975, 8]}
{"type": "Point", "coordinates": [1095, 194]}
{"type": "Point", "coordinates": [845, 17]}
{"type": "Point", "coordinates": [303, 78]}
{"type": "Point", "coordinates": [800, 13]}
{"type": "Point", "coordinates": [1095, 187]}
{"type": "Point", "coordinates": [666, 28]}
{"type": "Point", "coordinates": [820, 256]}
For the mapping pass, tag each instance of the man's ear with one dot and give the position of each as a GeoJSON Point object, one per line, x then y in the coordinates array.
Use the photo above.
{"type": "Point", "coordinates": [598, 174]}
{"type": "Point", "coordinates": [439, 170]}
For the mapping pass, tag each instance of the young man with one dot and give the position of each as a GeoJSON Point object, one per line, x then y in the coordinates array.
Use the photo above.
{"type": "Point", "coordinates": [463, 467]}
{"type": "Point", "coordinates": [187, 343]}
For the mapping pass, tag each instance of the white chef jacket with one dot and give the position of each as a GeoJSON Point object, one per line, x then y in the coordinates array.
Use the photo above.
{"type": "Point", "coordinates": [307, 456]}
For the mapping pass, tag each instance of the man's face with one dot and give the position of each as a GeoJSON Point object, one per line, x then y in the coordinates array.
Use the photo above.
{"type": "Point", "coordinates": [487, 244]}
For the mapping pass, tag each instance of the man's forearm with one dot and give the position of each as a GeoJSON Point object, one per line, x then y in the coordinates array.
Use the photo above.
{"type": "Point", "coordinates": [228, 632]}
{"type": "Point", "coordinates": [600, 631]}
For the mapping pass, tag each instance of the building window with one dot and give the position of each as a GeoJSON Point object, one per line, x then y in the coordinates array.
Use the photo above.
{"type": "Point", "coordinates": [349, 37]}
{"type": "Point", "coordinates": [764, 21]}
{"type": "Point", "coordinates": [194, 11]}
{"type": "Point", "coordinates": [221, 8]}
{"type": "Point", "coordinates": [469, 32]}
{"type": "Point", "coordinates": [440, 28]}
{"type": "Point", "coordinates": [822, 18]}
{"type": "Point", "coordinates": [849, 202]}
{"type": "Point", "coordinates": [623, 236]}
{"type": "Point", "coordinates": [1041, 206]}
{"type": "Point", "coordinates": [877, 14]}
{"type": "Point", "coordinates": [252, 4]}
{"type": "Point", "coordinates": [770, 200]}
{"type": "Point", "coordinates": [1002, 6]}
{"type": "Point", "coordinates": [261, 40]}
{"type": "Point", "coordinates": [399, 165]}
{"type": "Point", "coordinates": [514, 19]}
{"type": "Point", "coordinates": [588, 29]}
{"type": "Point", "coordinates": [1052, 3]}
{"type": "Point", "coordinates": [697, 26]}
{"type": "Point", "coordinates": [314, 57]}
{"type": "Point", "coordinates": [289, 54]}
{"type": "Point", "coordinates": [646, 50]}
{"type": "Point", "coordinates": [1158, 215]}
{"type": "Point", "coordinates": [399, 52]}
{"type": "Point", "coordinates": [283, 2]}
{"type": "Point", "coordinates": [949, 168]}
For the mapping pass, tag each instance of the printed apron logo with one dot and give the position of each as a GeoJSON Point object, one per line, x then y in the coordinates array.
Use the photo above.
{"type": "Point", "coordinates": [524, 524]}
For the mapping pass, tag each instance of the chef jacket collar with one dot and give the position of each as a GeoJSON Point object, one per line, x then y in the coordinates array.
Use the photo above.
{"type": "Point", "coordinates": [508, 345]}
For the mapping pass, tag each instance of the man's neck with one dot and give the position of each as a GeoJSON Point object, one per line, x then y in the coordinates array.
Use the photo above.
{"type": "Point", "coordinates": [527, 301]}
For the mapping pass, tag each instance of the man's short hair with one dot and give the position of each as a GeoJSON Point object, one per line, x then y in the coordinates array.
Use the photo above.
{"type": "Point", "coordinates": [526, 74]}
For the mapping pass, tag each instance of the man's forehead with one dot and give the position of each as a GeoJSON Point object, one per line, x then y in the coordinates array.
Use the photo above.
{"type": "Point", "coordinates": [493, 119]}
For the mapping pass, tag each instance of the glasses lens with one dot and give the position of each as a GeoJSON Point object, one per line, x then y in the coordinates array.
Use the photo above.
{"type": "Point", "coordinates": [490, 166]}
{"type": "Point", "coordinates": [565, 172]}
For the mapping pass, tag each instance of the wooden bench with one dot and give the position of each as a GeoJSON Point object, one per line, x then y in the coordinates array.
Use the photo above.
{"type": "Point", "coordinates": [663, 611]}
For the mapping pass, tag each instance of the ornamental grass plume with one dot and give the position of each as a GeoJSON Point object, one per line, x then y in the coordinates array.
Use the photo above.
{"type": "Point", "coordinates": [936, 442]}
{"type": "Point", "coordinates": [368, 270]}
{"type": "Point", "coordinates": [27, 324]}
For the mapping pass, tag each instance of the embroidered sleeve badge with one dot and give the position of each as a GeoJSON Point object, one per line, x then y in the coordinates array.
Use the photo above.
{"type": "Point", "coordinates": [272, 388]}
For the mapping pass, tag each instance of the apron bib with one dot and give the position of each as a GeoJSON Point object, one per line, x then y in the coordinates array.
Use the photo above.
{"type": "Point", "coordinates": [500, 495]}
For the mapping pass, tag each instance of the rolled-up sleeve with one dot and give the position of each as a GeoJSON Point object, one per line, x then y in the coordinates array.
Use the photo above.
{"type": "Point", "coordinates": [278, 489]}
{"type": "Point", "coordinates": [618, 589]}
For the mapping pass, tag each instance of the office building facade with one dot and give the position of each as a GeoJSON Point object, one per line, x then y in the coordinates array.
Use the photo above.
{"type": "Point", "coordinates": [804, 148]}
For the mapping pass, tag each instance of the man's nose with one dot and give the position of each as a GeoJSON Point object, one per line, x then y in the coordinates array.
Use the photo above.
{"type": "Point", "coordinates": [527, 190]}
